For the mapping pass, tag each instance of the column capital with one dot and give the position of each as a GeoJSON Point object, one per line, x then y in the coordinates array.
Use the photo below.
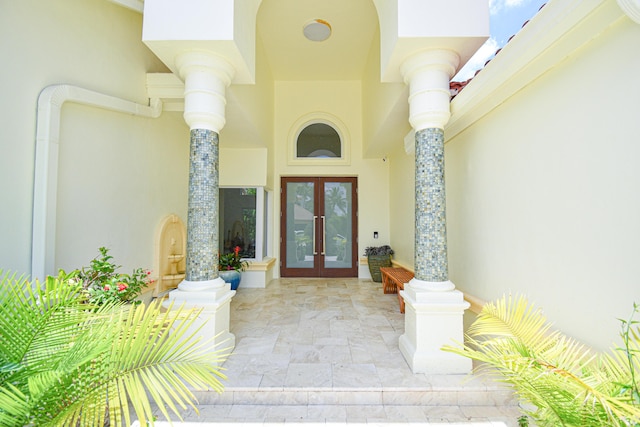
{"type": "Point", "coordinates": [631, 8]}
{"type": "Point", "coordinates": [443, 60]}
{"type": "Point", "coordinates": [205, 61]}
{"type": "Point", "coordinates": [428, 73]}
{"type": "Point", "coordinates": [206, 77]}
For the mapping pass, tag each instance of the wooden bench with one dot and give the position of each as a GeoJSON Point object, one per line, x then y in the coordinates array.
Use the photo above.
{"type": "Point", "coordinates": [393, 280]}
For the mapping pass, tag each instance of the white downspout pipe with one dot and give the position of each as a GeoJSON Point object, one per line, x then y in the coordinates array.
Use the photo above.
{"type": "Point", "coordinates": [45, 186]}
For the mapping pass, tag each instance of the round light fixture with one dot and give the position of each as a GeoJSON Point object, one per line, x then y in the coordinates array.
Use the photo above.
{"type": "Point", "coordinates": [317, 30]}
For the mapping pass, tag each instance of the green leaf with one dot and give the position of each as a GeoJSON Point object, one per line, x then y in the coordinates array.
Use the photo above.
{"type": "Point", "coordinates": [566, 383]}
{"type": "Point", "coordinates": [66, 362]}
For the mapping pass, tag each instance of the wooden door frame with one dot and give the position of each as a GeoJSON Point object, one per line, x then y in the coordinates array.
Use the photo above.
{"type": "Point", "coordinates": [318, 270]}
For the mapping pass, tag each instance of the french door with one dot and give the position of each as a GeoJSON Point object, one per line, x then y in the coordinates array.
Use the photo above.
{"type": "Point", "coordinates": [318, 227]}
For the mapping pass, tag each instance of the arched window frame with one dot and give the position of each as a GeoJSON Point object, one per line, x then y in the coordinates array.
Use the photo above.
{"type": "Point", "coordinates": [329, 120]}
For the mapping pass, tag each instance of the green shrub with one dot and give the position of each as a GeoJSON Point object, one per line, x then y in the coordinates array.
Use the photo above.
{"type": "Point", "coordinates": [104, 284]}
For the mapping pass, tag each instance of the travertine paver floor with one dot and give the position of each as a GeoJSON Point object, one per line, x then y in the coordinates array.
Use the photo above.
{"type": "Point", "coordinates": [326, 351]}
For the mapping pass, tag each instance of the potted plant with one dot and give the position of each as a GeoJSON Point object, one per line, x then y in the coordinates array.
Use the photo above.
{"type": "Point", "coordinates": [378, 256]}
{"type": "Point", "coordinates": [230, 266]}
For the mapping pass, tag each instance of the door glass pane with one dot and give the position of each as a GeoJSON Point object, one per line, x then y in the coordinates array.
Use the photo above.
{"type": "Point", "coordinates": [300, 208]}
{"type": "Point", "coordinates": [337, 224]}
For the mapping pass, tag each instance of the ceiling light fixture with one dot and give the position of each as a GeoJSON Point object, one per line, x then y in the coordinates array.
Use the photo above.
{"type": "Point", "coordinates": [317, 30]}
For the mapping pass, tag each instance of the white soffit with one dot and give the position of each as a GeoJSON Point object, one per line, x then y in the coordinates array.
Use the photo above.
{"type": "Point", "coordinates": [224, 28]}
{"type": "Point", "coordinates": [417, 25]}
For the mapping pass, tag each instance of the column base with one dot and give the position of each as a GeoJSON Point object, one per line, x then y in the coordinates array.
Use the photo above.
{"type": "Point", "coordinates": [215, 303]}
{"type": "Point", "coordinates": [433, 318]}
{"type": "Point", "coordinates": [432, 286]}
{"type": "Point", "coordinates": [204, 285]}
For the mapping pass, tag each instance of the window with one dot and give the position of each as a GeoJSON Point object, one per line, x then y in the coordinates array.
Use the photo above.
{"type": "Point", "coordinates": [318, 140]}
{"type": "Point", "coordinates": [242, 220]}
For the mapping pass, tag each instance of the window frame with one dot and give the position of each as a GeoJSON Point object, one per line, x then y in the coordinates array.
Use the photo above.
{"type": "Point", "coordinates": [329, 120]}
{"type": "Point", "coordinates": [261, 238]}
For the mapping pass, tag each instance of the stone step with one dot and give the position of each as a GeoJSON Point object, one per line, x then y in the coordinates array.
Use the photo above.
{"type": "Point", "coordinates": [338, 415]}
{"type": "Point", "coordinates": [260, 410]}
{"type": "Point", "coordinates": [475, 393]}
{"type": "Point", "coordinates": [474, 402]}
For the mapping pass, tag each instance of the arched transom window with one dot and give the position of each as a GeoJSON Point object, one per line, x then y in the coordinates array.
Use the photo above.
{"type": "Point", "coordinates": [318, 140]}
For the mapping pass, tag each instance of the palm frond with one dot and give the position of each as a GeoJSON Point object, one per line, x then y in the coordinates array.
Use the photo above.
{"type": "Point", "coordinates": [74, 363]}
{"type": "Point", "coordinates": [15, 406]}
{"type": "Point", "coordinates": [513, 317]}
{"type": "Point", "coordinates": [38, 319]}
{"type": "Point", "coordinates": [565, 381]}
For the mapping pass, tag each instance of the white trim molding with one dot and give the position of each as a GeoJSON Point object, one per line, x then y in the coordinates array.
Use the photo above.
{"type": "Point", "coordinates": [554, 33]}
{"type": "Point", "coordinates": [45, 187]}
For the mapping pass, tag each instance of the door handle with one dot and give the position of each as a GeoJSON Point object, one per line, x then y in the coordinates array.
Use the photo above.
{"type": "Point", "coordinates": [324, 235]}
{"type": "Point", "coordinates": [315, 219]}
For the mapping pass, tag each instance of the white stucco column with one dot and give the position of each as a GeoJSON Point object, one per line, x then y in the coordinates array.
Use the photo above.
{"type": "Point", "coordinates": [434, 308]}
{"type": "Point", "coordinates": [206, 76]}
{"type": "Point", "coordinates": [209, 44]}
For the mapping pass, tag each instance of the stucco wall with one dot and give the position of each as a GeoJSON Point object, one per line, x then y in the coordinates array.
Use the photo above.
{"type": "Point", "coordinates": [542, 193]}
{"type": "Point", "coordinates": [384, 105]}
{"type": "Point", "coordinates": [402, 205]}
{"type": "Point", "coordinates": [341, 99]}
{"type": "Point", "coordinates": [105, 198]}
{"type": "Point", "coordinates": [118, 177]}
{"type": "Point", "coordinates": [243, 167]}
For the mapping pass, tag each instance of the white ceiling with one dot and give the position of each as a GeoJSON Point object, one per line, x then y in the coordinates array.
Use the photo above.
{"type": "Point", "coordinates": [291, 57]}
{"type": "Point", "coordinates": [341, 57]}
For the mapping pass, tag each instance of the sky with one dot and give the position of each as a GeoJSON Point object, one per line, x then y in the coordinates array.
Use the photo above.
{"type": "Point", "coordinates": [506, 19]}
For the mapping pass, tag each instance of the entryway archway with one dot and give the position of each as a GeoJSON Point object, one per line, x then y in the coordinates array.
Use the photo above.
{"type": "Point", "coordinates": [319, 227]}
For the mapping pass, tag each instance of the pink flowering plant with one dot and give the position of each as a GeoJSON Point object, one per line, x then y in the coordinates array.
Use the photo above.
{"type": "Point", "coordinates": [104, 284]}
{"type": "Point", "coordinates": [232, 261]}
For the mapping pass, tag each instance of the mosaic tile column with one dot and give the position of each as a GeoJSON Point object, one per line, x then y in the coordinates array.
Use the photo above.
{"type": "Point", "coordinates": [433, 307]}
{"type": "Point", "coordinates": [430, 210]}
{"type": "Point", "coordinates": [202, 229]}
{"type": "Point", "coordinates": [206, 76]}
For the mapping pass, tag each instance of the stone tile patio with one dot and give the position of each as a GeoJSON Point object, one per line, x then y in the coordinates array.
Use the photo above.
{"type": "Point", "coordinates": [326, 351]}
